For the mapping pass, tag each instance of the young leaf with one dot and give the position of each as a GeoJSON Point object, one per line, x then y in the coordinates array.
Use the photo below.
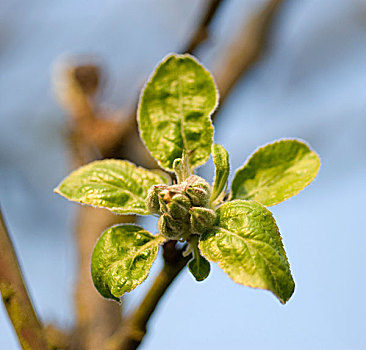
{"type": "Point", "coordinates": [222, 170]}
{"type": "Point", "coordinates": [174, 111]}
{"type": "Point", "coordinates": [275, 172]}
{"type": "Point", "coordinates": [247, 245]}
{"type": "Point", "coordinates": [122, 259]}
{"type": "Point", "coordinates": [199, 267]}
{"type": "Point", "coordinates": [116, 185]}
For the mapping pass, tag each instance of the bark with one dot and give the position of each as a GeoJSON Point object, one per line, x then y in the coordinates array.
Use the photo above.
{"type": "Point", "coordinates": [15, 296]}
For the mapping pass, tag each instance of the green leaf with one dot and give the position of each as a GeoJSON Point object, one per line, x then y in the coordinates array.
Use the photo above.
{"type": "Point", "coordinates": [116, 185]}
{"type": "Point", "coordinates": [122, 259]}
{"type": "Point", "coordinates": [247, 245]}
{"type": "Point", "coordinates": [275, 172]}
{"type": "Point", "coordinates": [174, 111]}
{"type": "Point", "coordinates": [222, 170]}
{"type": "Point", "coordinates": [199, 267]}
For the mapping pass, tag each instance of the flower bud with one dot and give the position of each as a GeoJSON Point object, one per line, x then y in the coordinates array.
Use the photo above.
{"type": "Point", "coordinates": [198, 190]}
{"type": "Point", "coordinates": [179, 207]}
{"type": "Point", "coordinates": [152, 199]}
{"type": "Point", "coordinates": [202, 219]}
{"type": "Point", "coordinates": [171, 228]}
{"type": "Point", "coordinates": [166, 196]}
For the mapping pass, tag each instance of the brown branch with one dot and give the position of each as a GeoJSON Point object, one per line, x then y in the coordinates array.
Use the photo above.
{"type": "Point", "coordinates": [15, 296]}
{"type": "Point", "coordinates": [201, 32]}
{"type": "Point", "coordinates": [92, 134]}
{"type": "Point", "coordinates": [56, 338]}
{"type": "Point", "coordinates": [97, 318]}
{"type": "Point", "coordinates": [76, 87]}
{"type": "Point", "coordinates": [245, 49]}
{"type": "Point", "coordinates": [132, 331]}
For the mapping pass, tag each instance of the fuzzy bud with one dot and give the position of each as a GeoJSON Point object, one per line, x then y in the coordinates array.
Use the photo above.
{"type": "Point", "coordinates": [202, 219]}
{"type": "Point", "coordinates": [166, 196]}
{"type": "Point", "coordinates": [152, 199]}
{"type": "Point", "coordinates": [171, 228]}
{"type": "Point", "coordinates": [179, 207]}
{"type": "Point", "coordinates": [198, 190]}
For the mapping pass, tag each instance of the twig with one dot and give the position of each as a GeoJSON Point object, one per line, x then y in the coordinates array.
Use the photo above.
{"type": "Point", "coordinates": [56, 338]}
{"type": "Point", "coordinates": [76, 87]}
{"type": "Point", "coordinates": [201, 33]}
{"type": "Point", "coordinates": [133, 329]}
{"type": "Point", "coordinates": [15, 296]}
{"type": "Point", "coordinates": [97, 318]}
{"type": "Point", "coordinates": [245, 49]}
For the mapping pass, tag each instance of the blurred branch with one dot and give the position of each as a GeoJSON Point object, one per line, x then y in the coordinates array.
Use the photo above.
{"type": "Point", "coordinates": [15, 296]}
{"type": "Point", "coordinates": [97, 318]}
{"type": "Point", "coordinates": [93, 132]}
{"type": "Point", "coordinates": [133, 329]}
{"type": "Point", "coordinates": [245, 49]}
{"type": "Point", "coordinates": [91, 137]}
{"type": "Point", "coordinates": [201, 32]}
{"type": "Point", "coordinates": [56, 338]}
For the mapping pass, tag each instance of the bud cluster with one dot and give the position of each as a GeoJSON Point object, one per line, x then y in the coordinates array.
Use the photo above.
{"type": "Point", "coordinates": [183, 208]}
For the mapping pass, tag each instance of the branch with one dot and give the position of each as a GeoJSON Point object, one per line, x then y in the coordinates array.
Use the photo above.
{"type": "Point", "coordinates": [246, 48]}
{"type": "Point", "coordinates": [201, 33]}
{"type": "Point", "coordinates": [56, 338]}
{"type": "Point", "coordinates": [133, 329]}
{"type": "Point", "coordinates": [91, 133]}
{"type": "Point", "coordinates": [15, 296]}
{"type": "Point", "coordinates": [76, 88]}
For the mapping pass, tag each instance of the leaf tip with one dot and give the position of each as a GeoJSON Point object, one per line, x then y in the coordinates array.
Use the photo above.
{"type": "Point", "coordinates": [294, 157]}
{"type": "Point", "coordinates": [59, 191]}
{"type": "Point", "coordinates": [287, 296]}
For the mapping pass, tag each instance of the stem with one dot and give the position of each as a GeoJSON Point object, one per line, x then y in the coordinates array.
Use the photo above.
{"type": "Point", "coordinates": [193, 242]}
{"type": "Point", "coordinates": [181, 167]}
{"type": "Point", "coordinates": [185, 166]}
{"type": "Point", "coordinates": [15, 296]}
{"type": "Point", "coordinates": [134, 327]}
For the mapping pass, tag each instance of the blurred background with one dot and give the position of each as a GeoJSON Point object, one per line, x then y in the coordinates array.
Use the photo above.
{"type": "Point", "coordinates": [308, 83]}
